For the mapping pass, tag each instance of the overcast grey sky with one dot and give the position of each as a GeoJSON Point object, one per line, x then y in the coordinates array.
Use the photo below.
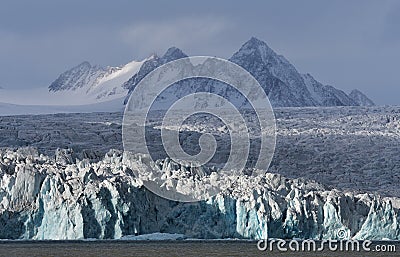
{"type": "Point", "coordinates": [348, 44]}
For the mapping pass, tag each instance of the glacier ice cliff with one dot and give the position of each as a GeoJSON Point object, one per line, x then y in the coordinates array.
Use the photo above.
{"type": "Point", "coordinates": [63, 197]}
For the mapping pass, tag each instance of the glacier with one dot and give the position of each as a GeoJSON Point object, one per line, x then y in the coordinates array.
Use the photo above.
{"type": "Point", "coordinates": [62, 180]}
{"type": "Point", "coordinates": [63, 197]}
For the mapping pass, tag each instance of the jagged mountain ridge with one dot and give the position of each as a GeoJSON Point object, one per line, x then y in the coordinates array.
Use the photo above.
{"type": "Point", "coordinates": [288, 87]}
{"type": "Point", "coordinates": [101, 83]}
{"type": "Point", "coordinates": [79, 76]}
{"type": "Point", "coordinates": [285, 86]}
{"type": "Point", "coordinates": [360, 98]}
{"type": "Point", "coordinates": [280, 80]}
{"type": "Point", "coordinates": [172, 54]}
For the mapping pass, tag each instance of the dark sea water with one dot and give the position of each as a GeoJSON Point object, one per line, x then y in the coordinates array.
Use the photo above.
{"type": "Point", "coordinates": [157, 248]}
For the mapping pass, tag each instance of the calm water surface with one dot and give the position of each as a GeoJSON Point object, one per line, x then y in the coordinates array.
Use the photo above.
{"type": "Point", "coordinates": [156, 248]}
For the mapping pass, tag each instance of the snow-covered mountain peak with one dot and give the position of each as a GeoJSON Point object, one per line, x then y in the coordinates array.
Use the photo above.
{"type": "Point", "coordinates": [255, 43]}
{"type": "Point", "coordinates": [78, 77]}
{"type": "Point", "coordinates": [282, 82]}
{"type": "Point", "coordinates": [261, 55]}
{"type": "Point", "coordinates": [83, 65]}
{"type": "Point", "coordinates": [258, 50]}
{"type": "Point", "coordinates": [261, 48]}
{"type": "Point", "coordinates": [95, 83]}
{"type": "Point", "coordinates": [360, 98]}
{"type": "Point", "coordinates": [173, 53]}
{"type": "Point", "coordinates": [280, 79]}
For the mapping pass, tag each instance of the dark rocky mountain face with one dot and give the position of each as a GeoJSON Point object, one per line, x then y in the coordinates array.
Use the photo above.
{"type": "Point", "coordinates": [280, 80]}
{"type": "Point", "coordinates": [284, 85]}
